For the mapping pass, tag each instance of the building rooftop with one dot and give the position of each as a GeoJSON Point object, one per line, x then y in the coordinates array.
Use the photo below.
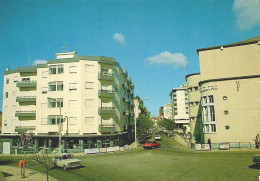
{"type": "Point", "coordinates": [244, 42]}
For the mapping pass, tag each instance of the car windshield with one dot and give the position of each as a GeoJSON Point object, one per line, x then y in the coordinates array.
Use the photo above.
{"type": "Point", "coordinates": [67, 156]}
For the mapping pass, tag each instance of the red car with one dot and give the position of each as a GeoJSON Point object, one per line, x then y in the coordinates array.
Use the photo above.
{"type": "Point", "coordinates": [151, 144]}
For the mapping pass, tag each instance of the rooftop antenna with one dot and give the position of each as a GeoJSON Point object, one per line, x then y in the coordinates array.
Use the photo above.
{"type": "Point", "coordinates": [28, 50]}
{"type": "Point", "coordinates": [65, 48]}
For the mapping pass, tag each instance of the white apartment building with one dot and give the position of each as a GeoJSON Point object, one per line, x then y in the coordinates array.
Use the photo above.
{"type": "Point", "coordinates": [180, 107]}
{"type": "Point", "coordinates": [166, 111]}
{"type": "Point", "coordinates": [88, 95]}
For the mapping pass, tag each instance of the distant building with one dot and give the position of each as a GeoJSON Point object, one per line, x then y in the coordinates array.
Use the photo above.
{"type": "Point", "coordinates": [92, 97]}
{"type": "Point", "coordinates": [180, 107]}
{"type": "Point", "coordinates": [229, 82]}
{"type": "Point", "coordinates": [165, 111]}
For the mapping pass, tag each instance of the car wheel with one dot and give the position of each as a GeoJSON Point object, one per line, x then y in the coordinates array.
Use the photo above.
{"type": "Point", "coordinates": [65, 167]}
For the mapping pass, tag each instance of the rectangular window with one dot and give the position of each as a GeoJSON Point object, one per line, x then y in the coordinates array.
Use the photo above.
{"type": "Point", "coordinates": [15, 79]}
{"type": "Point", "coordinates": [44, 90]}
{"type": "Point", "coordinates": [89, 85]}
{"type": "Point", "coordinates": [55, 119]}
{"type": "Point", "coordinates": [89, 68]}
{"type": "Point", "coordinates": [6, 95]}
{"type": "Point", "coordinates": [44, 121]}
{"type": "Point", "coordinates": [89, 102]}
{"type": "Point", "coordinates": [212, 113]}
{"type": "Point", "coordinates": [55, 86]}
{"type": "Point", "coordinates": [73, 103]}
{"type": "Point", "coordinates": [55, 69]}
{"type": "Point", "coordinates": [73, 120]}
{"type": "Point", "coordinates": [211, 99]}
{"type": "Point", "coordinates": [5, 122]}
{"type": "Point", "coordinates": [73, 86]}
{"type": "Point", "coordinates": [7, 81]}
{"type": "Point", "coordinates": [208, 114]}
{"type": "Point", "coordinates": [73, 69]}
{"type": "Point", "coordinates": [58, 103]}
{"type": "Point", "coordinates": [45, 74]}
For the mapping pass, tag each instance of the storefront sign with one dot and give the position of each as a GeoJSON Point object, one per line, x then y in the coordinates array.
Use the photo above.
{"type": "Point", "coordinates": [209, 88]}
{"type": "Point", "coordinates": [91, 151]}
{"type": "Point", "coordinates": [197, 146]}
{"type": "Point", "coordinates": [224, 146]}
{"type": "Point", "coordinates": [102, 150]}
{"type": "Point", "coordinates": [205, 147]}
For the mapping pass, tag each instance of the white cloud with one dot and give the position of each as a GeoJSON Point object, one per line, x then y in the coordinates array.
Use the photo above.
{"type": "Point", "coordinates": [174, 59]}
{"type": "Point", "coordinates": [39, 62]}
{"type": "Point", "coordinates": [247, 12]}
{"type": "Point", "coordinates": [120, 38]}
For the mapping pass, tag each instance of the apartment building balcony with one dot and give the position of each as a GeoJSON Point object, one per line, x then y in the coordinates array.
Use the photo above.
{"type": "Point", "coordinates": [26, 100]}
{"type": "Point", "coordinates": [106, 110]}
{"type": "Point", "coordinates": [26, 115]}
{"type": "Point", "coordinates": [124, 85]}
{"type": "Point", "coordinates": [106, 76]}
{"type": "Point", "coordinates": [110, 128]}
{"type": "Point", "coordinates": [106, 94]}
{"type": "Point", "coordinates": [20, 129]}
{"type": "Point", "coordinates": [124, 72]}
{"type": "Point", "coordinates": [27, 85]}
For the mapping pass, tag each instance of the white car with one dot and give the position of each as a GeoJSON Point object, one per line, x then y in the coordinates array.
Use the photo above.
{"type": "Point", "coordinates": [66, 160]}
{"type": "Point", "coordinates": [158, 137]}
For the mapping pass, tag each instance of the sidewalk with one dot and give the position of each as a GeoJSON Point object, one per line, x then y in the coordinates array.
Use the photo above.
{"type": "Point", "coordinates": [14, 174]}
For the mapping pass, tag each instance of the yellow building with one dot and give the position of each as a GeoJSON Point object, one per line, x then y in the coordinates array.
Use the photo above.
{"type": "Point", "coordinates": [229, 90]}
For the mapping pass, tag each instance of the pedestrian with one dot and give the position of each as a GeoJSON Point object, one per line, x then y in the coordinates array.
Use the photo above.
{"type": "Point", "coordinates": [209, 142]}
{"type": "Point", "coordinates": [257, 140]}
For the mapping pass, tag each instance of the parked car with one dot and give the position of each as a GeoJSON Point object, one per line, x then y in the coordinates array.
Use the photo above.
{"type": "Point", "coordinates": [65, 160]}
{"type": "Point", "coordinates": [158, 137]}
{"type": "Point", "coordinates": [151, 144]}
{"type": "Point", "coordinates": [256, 159]}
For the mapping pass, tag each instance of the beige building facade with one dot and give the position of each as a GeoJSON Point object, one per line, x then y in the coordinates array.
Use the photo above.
{"type": "Point", "coordinates": [88, 95]}
{"type": "Point", "coordinates": [229, 84]}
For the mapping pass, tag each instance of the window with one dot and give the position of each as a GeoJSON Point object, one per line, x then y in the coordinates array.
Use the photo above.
{"type": "Point", "coordinates": [55, 119]}
{"type": "Point", "coordinates": [89, 68]}
{"type": "Point", "coordinates": [208, 114]}
{"type": "Point", "coordinates": [73, 69]}
{"type": "Point", "coordinates": [89, 85]}
{"type": "Point", "coordinates": [45, 74]}
{"type": "Point", "coordinates": [44, 90]}
{"type": "Point", "coordinates": [6, 95]}
{"type": "Point", "coordinates": [73, 121]}
{"type": "Point", "coordinates": [196, 88]}
{"type": "Point", "coordinates": [55, 69]}
{"type": "Point", "coordinates": [89, 102]}
{"type": "Point", "coordinates": [73, 103]}
{"type": "Point", "coordinates": [5, 122]}
{"type": "Point", "coordinates": [52, 103]}
{"type": "Point", "coordinates": [15, 79]}
{"type": "Point", "coordinates": [7, 81]}
{"type": "Point", "coordinates": [56, 86]}
{"type": "Point", "coordinates": [44, 121]}
{"type": "Point", "coordinates": [73, 86]}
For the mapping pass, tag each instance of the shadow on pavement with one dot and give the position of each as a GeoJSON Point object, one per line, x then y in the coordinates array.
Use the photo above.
{"type": "Point", "coordinates": [7, 174]}
{"type": "Point", "coordinates": [255, 166]}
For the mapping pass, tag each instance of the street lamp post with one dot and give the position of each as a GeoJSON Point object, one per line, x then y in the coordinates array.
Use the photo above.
{"type": "Point", "coordinates": [59, 123]}
{"type": "Point", "coordinates": [137, 114]}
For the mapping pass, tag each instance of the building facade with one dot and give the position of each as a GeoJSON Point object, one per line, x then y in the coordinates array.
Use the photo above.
{"type": "Point", "coordinates": [165, 111]}
{"type": "Point", "coordinates": [180, 107]}
{"type": "Point", "coordinates": [80, 96]}
{"type": "Point", "coordinates": [229, 84]}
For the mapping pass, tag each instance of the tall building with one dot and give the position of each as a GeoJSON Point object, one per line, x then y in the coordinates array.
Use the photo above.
{"type": "Point", "coordinates": [229, 84]}
{"type": "Point", "coordinates": [92, 98]}
{"type": "Point", "coordinates": [165, 111]}
{"type": "Point", "coordinates": [180, 107]}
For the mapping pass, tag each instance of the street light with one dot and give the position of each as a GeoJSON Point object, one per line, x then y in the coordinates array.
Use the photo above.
{"type": "Point", "coordinates": [59, 123]}
{"type": "Point", "coordinates": [137, 113]}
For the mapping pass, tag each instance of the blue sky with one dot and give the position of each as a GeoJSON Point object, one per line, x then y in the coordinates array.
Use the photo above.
{"type": "Point", "coordinates": [153, 40]}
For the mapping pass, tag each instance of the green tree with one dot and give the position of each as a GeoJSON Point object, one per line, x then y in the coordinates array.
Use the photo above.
{"type": "Point", "coordinates": [143, 124]}
{"type": "Point", "coordinates": [168, 124]}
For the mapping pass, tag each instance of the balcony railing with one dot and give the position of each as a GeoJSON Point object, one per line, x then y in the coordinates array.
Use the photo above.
{"type": "Point", "coordinates": [26, 115]}
{"type": "Point", "coordinates": [26, 99]}
{"type": "Point", "coordinates": [106, 93]}
{"type": "Point", "coordinates": [26, 84]}
{"type": "Point", "coordinates": [106, 76]}
{"type": "Point", "coordinates": [107, 128]}
{"type": "Point", "coordinates": [106, 110]}
{"type": "Point", "coordinates": [24, 128]}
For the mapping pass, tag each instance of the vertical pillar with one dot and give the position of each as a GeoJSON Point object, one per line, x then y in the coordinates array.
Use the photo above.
{"type": "Point", "coordinates": [81, 145]}
{"type": "Point", "coordinates": [36, 145]}
{"type": "Point", "coordinates": [63, 145]}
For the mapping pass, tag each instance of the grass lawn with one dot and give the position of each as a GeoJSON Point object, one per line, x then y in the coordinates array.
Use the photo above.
{"type": "Point", "coordinates": [171, 162]}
